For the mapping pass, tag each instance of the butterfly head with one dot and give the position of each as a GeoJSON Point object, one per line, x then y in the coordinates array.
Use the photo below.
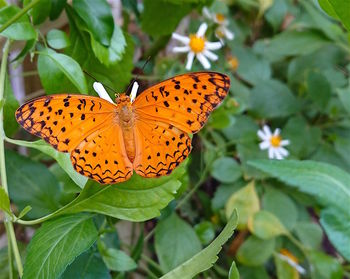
{"type": "Point", "coordinates": [122, 99]}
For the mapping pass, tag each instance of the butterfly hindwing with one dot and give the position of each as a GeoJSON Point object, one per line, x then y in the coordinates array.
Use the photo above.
{"type": "Point", "coordinates": [184, 101]}
{"type": "Point", "coordinates": [160, 148]}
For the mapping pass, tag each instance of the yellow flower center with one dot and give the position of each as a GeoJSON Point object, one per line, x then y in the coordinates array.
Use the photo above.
{"type": "Point", "coordinates": [220, 18]}
{"type": "Point", "coordinates": [197, 43]}
{"type": "Point", "coordinates": [289, 255]}
{"type": "Point", "coordinates": [275, 141]}
{"type": "Point", "coordinates": [233, 62]}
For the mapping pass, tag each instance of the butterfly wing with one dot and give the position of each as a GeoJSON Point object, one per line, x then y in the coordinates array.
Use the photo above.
{"type": "Point", "coordinates": [184, 101]}
{"type": "Point", "coordinates": [86, 127]}
{"type": "Point", "coordinates": [167, 112]}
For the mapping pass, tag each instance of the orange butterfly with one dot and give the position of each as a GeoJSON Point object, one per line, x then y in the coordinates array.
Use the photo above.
{"type": "Point", "coordinates": [108, 141]}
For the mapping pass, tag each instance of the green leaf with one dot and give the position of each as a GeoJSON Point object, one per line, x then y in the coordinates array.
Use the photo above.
{"type": "Point", "coordinates": [56, 244]}
{"type": "Point", "coordinates": [281, 206]}
{"type": "Point", "coordinates": [310, 234]}
{"type": "Point", "coordinates": [10, 106]}
{"type": "Point", "coordinates": [319, 89]}
{"type": "Point", "coordinates": [233, 273]}
{"type": "Point", "coordinates": [324, 266]}
{"type": "Point", "coordinates": [339, 8]}
{"type": "Point", "coordinates": [98, 17]}
{"type": "Point", "coordinates": [4, 201]}
{"type": "Point", "coordinates": [175, 242]}
{"type": "Point", "coordinates": [344, 96]}
{"type": "Point", "coordinates": [29, 46]}
{"type": "Point", "coordinates": [272, 98]}
{"type": "Point", "coordinates": [116, 259]}
{"type": "Point", "coordinates": [56, 68]}
{"type": "Point", "coordinates": [329, 184]}
{"type": "Point", "coordinates": [57, 7]}
{"type": "Point", "coordinates": [205, 231]}
{"type": "Point", "coordinates": [114, 52]}
{"type": "Point", "coordinates": [226, 169]}
{"type": "Point", "coordinates": [40, 11]}
{"type": "Point", "coordinates": [245, 201]}
{"type": "Point", "coordinates": [31, 183]}
{"type": "Point", "coordinates": [205, 258]}
{"type": "Point", "coordinates": [255, 251]}
{"type": "Point", "coordinates": [337, 227]}
{"type": "Point", "coordinates": [20, 31]}
{"type": "Point", "coordinates": [137, 199]}
{"type": "Point", "coordinates": [24, 211]}
{"type": "Point", "coordinates": [88, 265]}
{"type": "Point", "coordinates": [293, 42]}
{"type": "Point", "coordinates": [160, 17]}
{"type": "Point", "coordinates": [265, 225]}
{"type": "Point", "coordinates": [57, 39]}
{"type": "Point", "coordinates": [63, 159]}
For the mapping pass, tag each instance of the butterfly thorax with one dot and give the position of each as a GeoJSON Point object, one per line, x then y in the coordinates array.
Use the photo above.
{"type": "Point", "coordinates": [126, 122]}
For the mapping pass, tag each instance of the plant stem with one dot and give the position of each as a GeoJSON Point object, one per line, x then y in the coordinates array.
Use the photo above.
{"type": "Point", "coordinates": [19, 14]}
{"type": "Point", "coordinates": [8, 220]}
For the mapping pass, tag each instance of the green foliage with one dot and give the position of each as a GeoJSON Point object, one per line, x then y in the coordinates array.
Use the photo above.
{"type": "Point", "coordinates": [63, 238]}
{"type": "Point", "coordinates": [289, 69]}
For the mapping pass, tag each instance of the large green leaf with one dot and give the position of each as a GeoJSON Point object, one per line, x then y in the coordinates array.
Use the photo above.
{"type": "Point", "coordinates": [63, 159]}
{"type": "Point", "coordinates": [88, 265]}
{"type": "Point", "coordinates": [205, 258]}
{"type": "Point", "coordinates": [339, 9]}
{"type": "Point", "coordinates": [4, 201]}
{"type": "Point", "coordinates": [337, 226]}
{"type": "Point", "coordinates": [40, 11]}
{"type": "Point", "coordinates": [57, 7]}
{"type": "Point", "coordinates": [272, 98]}
{"type": "Point", "coordinates": [160, 17]}
{"type": "Point", "coordinates": [56, 244]}
{"type": "Point", "coordinates": [60, 73]}
{"type": "Point", "coordinates": [225, 169]}
{"type": "Point", "coordinates": [137, 199]}
{"type": "Point", "coordinates": [175, 242]}
{"type": "Point", "coordinates": [31, 183]}
{"type": "Point", "coordinates": [98, 17]}
{"type": "Point", "coordinates": [57, 39]}
{"type": "Point", "coordinates": [324, 266]}
{"type": "Point", "coordinates": [329, 184]}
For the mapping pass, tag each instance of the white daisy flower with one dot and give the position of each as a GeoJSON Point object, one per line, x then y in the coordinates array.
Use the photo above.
{"type": "Point", "coordinates": [197, 45]}
{"type": "Point", "coordinates": [222, 30]}
{"type": "Point", "coordinates": [273, 143]}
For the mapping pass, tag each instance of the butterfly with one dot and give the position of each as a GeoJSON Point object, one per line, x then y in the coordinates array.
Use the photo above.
{"type": "Point", "coordinates": [108, 141]}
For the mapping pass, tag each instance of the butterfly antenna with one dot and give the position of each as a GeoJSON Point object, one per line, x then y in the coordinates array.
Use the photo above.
{"type": "Point", "coordinates": [110, 88]}
{"type": "Point", "coordinates": [137, 76]}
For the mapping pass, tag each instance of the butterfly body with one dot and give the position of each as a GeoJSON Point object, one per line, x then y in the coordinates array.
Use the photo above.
{"type": "Point", "coordinates": [108, 141]}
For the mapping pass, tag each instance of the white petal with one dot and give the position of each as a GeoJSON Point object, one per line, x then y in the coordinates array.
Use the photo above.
{"type": "Point", "coordinates": [202, 29]}
{"type": "Point", "coordinates": [262, 135]}
{"type": "Point", "coordinates": [228, 34]}
{"type": "Point", "coordinates": [210, 55]}
{"type": "Point", "coordinates": [181, 49]}
{"type": "Point", "coordinates": [213, 45]}
{"type": "Point", "coordinates": [204, 61]}
{"type": "Point", "coordinates": [267, 130]}
{"type": "Point", "coordinates": [285, 142]}
{"type": "Point", "coordinates": [278, 154]}
{"type": "Point", "coordinates": [134, 89]}
{"type": "Point", "coordinates": [277, 132]}
{"type": "Point", "coordinates": [207, 13]}
{"type": "Point", "coordinates": [284, 152]}
{"type": "Point", "coordinates": [271, 153]}
{"type": "Point", "coordinates": [189, 62]}
{"type": "Point", "coordinates": [101, 91]}
{"type": "Point", "coordinates": [264, 145]}
{"type": "Point", "coordinates": [181, 38]}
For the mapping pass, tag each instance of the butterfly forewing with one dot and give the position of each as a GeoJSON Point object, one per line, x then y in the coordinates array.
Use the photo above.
{"type": "Point", "coordinates": [184, 101]}
{"type": "Point", "coordinates": [166, 112]}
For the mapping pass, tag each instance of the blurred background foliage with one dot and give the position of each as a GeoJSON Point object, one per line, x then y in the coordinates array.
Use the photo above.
{"type": "Point", "coordinates": [289, 69]}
